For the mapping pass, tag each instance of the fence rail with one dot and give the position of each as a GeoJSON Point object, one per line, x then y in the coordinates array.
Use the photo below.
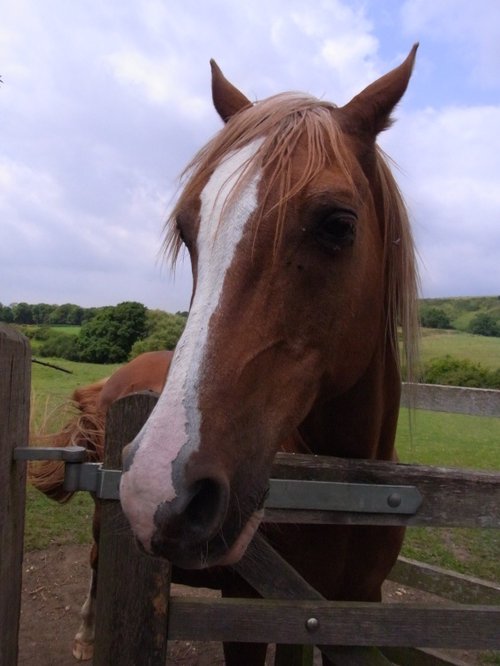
{"type": "Point", "coordinates": [452, 399]}
{"type": "Point", "coordinates": [444, 490]}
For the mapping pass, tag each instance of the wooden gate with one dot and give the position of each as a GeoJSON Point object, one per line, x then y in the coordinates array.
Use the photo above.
{"type": "Point", "coordinates": [291, 611]}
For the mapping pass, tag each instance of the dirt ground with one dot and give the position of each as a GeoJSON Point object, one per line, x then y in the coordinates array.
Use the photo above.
{"type": "Point", "coordinates": [55, 583]}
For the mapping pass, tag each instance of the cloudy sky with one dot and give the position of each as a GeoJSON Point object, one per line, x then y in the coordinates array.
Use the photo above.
{"type": "Point", "coordinates": [103, 103]}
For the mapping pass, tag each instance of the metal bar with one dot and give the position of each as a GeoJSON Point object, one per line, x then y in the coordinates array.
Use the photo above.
{"type": "Point", "coordinates": [336, 496]}
{"type": "Point", "coordinates": [72, 454]}
{"type": "Point", "coordinates": [307, 495]}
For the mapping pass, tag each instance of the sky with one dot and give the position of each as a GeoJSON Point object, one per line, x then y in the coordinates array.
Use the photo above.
{"type": "Point", "coordinates": [103, 103]}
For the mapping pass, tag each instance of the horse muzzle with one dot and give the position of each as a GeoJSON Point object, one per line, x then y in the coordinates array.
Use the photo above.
{"type": "Point", "coordinates": [188, 529]}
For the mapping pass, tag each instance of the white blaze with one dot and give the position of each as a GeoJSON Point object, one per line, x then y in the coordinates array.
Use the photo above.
{"type": "Point", "coordinates": [174, 425]}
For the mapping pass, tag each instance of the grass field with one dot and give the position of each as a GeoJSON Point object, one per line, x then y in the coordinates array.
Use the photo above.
{"type": "Point", "coordinates": [477, 348]}
{"type": "Point", "coordinates": [62, 328]}
{"type": "Point", "coordinates": [46, 521]}
{"type": "Point", "coordinates": [450, 440]}
{"type": "Point", "coordinates": [51, 388]}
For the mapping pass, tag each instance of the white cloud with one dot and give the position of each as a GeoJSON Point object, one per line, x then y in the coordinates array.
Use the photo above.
{"type": "Point", "coordinates": [449, 159]}
{"type": "Point", "coordinates": [160, 80]}
{"type": "Point", "coordinates": [352, 56]}
{"type": "Point", "coordinates": [103, 104]}
{"type": "Point", "coordinates": [472, 28]}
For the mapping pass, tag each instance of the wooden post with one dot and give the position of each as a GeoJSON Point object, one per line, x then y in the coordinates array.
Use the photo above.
{"type": "Point", "coordinates": [132, 589]}
{"type": "Point", "coordinates": [15, 373]}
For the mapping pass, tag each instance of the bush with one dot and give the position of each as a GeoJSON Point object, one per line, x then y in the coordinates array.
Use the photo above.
{"type": "Point", "coordinates": [39, 332]}
{"type": "Point", "coordinates": [452, 371]}
{"type": "Point", "coordinates": [61, 345]}
{"type": "Point", "coordinates": [431, 317]}
{"type": "Point", "coordinates": [157, 342]}
{"type": "Point", "coordinates": [164, 330]}
{"type": "Point", "coordinates": [6, 314]}
{"type": "Point", "coordinates": [109, 336]}
{"type": "Point", "coordinates": [484, 324]}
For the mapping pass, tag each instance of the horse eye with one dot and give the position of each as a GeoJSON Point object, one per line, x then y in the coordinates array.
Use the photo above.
{"type": "Point", "coordinates": [336, 230]}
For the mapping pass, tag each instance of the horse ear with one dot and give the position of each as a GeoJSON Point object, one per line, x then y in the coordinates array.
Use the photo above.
{"type": "Point", "coordinates": [370, 111]}
{"type": "Point", "coordinates": [228, 100]}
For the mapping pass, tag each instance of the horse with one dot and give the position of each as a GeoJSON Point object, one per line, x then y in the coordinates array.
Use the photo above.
{"type": "Point", "coordinates": [304, 270]}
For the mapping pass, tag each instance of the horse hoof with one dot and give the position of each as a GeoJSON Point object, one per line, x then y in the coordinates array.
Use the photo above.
{"type": "Point", "coordinates": [83, 651]}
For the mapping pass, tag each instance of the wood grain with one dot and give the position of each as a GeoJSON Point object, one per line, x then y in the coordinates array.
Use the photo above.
{"type": "Point", "coordinates": [15, 375]}
{"type": "Point", "coordinates": [133, 590]}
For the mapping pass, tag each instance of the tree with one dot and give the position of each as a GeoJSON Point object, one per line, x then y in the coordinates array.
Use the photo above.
{"type": "Point", "coordinates": [22, 313]}
{"type": "Point", "coordinates": [68, 313]}
{"type": "Point", "coordinates": [6, 314]}
{"type": "Point", "coordinates": [61, 345]}
{"type": "Point", "coordinates": [484, 324]}
{"type": "Point", "coordinates": [42, 312]}
{"type": "Point", "coordinates": [109, 336]}
{"type": "Point", "coordinates": [88, 314]}
{"type": "Point", "coordinates": [163, 332]}
{"type": "Point", "coordinates": [432, 317]}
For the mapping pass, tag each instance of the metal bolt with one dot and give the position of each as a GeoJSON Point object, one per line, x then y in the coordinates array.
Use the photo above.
{"type": "Point", "coordinates": [312, 624]}
{"type": "Point", "coordinates": [394, 500]}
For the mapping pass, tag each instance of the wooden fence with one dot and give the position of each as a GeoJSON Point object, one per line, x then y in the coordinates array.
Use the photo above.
{"type": "Point", "coordinates": [136, 615]}
{"type": "Point", "coordinates": [15, 368]}
{"type": "Point", "coordinates": [455, 498]}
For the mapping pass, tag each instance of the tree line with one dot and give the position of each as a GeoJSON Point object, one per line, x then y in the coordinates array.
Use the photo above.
{"type": "Point", "coordinates": [482, 323]}
{"type": "Point", "coordinates": [68, 314]}
{"type": "Point", "coordinates": [111, 334]}
{"type": "Point", "coordinates": [477, 315]}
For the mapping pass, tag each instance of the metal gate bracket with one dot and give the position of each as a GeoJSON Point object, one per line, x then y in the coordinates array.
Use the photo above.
{"type": "Point", "coordinates": [337, 496]}
{"type": "Point", "coordinates": [104, 483]}
{"type": "Point", "coordinates": [78, 474]}
{"type": "Point", "coordinates": [283, 493]}
{"type": "Point", "coordinates": [72, 454]}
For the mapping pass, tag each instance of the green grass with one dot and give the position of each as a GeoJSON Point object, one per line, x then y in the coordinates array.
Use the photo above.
{"type": "Point", "coordinates": [477, 348]}
{"type": "Point", "coordinates": [52, 388]}
{"type": "Point", "coordinates": [71, 330]}
{"type": "Point", "coordinates": [443, 439]}
{"type": "Point", "coordinates": [48, 523]}
{"type": "Point", "coordinates": [468, 551]}
{"type": "Point", "coordinates": [452, 440]}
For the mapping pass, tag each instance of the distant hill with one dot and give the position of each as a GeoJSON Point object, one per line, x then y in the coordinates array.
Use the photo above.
{"type": "Point", "coordinates": [460, 311]}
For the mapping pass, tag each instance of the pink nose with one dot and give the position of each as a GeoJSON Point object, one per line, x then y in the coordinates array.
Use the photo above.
{"type": "Point", "coordinates": [192, 520]}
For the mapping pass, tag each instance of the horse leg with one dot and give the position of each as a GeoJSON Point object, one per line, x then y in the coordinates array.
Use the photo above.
{"type": "Point", "coordinates": [83, 643]}
{"type": "Point", "coordinates": [242, 654]}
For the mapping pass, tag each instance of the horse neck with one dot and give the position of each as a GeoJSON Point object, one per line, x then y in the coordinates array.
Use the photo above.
{"type": "Point", "coordinates": [360, 423]}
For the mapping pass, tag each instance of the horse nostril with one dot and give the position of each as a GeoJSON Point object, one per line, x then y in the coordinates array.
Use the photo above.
{"type": "Point", "coordinates": [194, 517]}
{"type": "Point", "coordinates": [207, 507]}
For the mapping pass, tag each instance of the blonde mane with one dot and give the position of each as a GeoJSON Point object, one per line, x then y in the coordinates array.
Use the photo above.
{"type": "Point", "coordinates": [85, 427]}
{"type": "Point", "coordinates": [280, 122]}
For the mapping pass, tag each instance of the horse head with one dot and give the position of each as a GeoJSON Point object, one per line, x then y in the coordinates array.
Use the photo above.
{"type": "Point", "coordinates": [302, 268]}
